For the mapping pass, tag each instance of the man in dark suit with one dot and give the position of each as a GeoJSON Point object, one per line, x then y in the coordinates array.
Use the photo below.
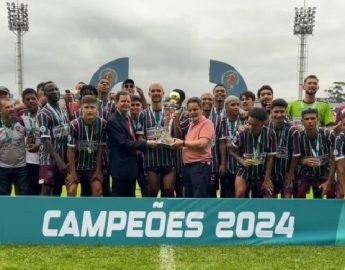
{"type": "Point", "coordinates": [124, 148]}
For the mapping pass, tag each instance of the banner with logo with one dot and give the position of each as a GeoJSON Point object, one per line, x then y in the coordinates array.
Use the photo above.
{"type": "Point", "coordinates": [223, 73]}
{"type": "Point", "coordinates": [114, 71]}
{"type": "Point", "coordinates": [122, 221]}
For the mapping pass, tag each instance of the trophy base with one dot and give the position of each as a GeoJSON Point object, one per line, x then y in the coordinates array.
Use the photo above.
{"type": "Point", "coordinates": [165, 142]}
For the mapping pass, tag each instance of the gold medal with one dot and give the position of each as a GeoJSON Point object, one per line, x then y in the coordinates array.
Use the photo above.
{"type": "Point", "coordinates": [255, 162]}
{"type": "Point", "coordinates": [157, 132]}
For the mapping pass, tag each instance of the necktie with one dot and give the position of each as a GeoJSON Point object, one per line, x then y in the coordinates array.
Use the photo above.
{"type": "Point", "coordinates": [131, 132]}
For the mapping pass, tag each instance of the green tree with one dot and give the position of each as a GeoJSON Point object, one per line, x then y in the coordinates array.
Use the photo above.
{"type": "Point", "coordinates": [336, 91]}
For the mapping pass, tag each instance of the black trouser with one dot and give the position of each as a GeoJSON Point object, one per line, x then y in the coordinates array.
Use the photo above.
{"type": "Point", "coordinates": [32, 179]}
{"type": "Point", "coordinates": [123, 187]}
{"type": "Point", "coordinates": [196, 178]}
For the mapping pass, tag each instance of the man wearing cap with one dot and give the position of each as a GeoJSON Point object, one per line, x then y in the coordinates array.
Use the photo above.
{"type": "Point", "coordinates": [4, 92]}
{"type": "Point", "coordinates": [130, 87]}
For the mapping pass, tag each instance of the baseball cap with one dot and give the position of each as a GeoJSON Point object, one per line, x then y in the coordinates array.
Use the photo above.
{"type": "Point", "coordinates": [128, 81]}
{"type": "Point", "coordinates": [4, 89]}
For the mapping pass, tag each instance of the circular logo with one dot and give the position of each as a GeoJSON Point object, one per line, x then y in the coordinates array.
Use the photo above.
{"type": "Point", "coordinates": [109, 74]}
{"type": "Point", "coordinates": [230, 79]}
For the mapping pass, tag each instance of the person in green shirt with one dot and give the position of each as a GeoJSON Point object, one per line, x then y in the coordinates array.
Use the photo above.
{"type": "Point", "coordinates": [311, 86]}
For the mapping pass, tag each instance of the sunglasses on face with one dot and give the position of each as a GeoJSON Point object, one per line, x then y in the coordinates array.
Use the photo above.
{"type": "Point", "coordinates": [129, 86]}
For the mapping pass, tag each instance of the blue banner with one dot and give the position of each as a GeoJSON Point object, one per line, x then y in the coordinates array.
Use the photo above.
{"type": "Point", "coordinates": [114, 71]}
{"type": "Point", "coordinates": [226, 74]}
{"type": "Point", "coordinates": [127, 221]}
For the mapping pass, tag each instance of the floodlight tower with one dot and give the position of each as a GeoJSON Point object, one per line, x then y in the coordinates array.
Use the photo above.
{"type": "Point", "coordinates": [18, 23]}
{"type": "Point", "coordinates": [304, 24]}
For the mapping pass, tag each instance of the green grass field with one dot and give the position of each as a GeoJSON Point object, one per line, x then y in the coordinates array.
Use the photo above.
{"type": "Point", "coordinates": [156, 257]}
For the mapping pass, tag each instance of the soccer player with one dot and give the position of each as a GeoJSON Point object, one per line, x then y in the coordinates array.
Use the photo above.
{"type": "Point", "coordinates": [325, 114]}
{"type": "Point", "coordinates": [256, 148]}
{"type": "Point", "coordinates": [265, 95]}
{"type": "Point", "coordinates": [219, 93]}
{"type": "Point", "coordinates": [86, 143]}
{"type": "Point", "coordinates": [180, 115]}
{"type": "Point", "coordinates": [13, 168]}
{"type": "Point", "coordinates": [135, 110]}
{"type": "Point", "coordinates": [105, 108]}
{"type": "Point", "coordinates": [247, 100]}
{"type": "Point", "coordinates": [288, 150]}
{"type": "Point", "coordinates": [213, 109]}
{"type": "Point", "coordinates": [53, 123]}
{"type": "Point", "coordinates": [159, 163]}
{"type": "Point", "coordinates": [33, 140]}
{"type": "Point", "coordinates": [339, 154]}
{"type": "Point", "coordinates": [315, 155]}
{"type": "Point", "coordinates": [233, 122]}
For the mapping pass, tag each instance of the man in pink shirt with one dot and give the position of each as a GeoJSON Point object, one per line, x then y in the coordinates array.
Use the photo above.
{"type": "Point", "coordinates": [196, 151]}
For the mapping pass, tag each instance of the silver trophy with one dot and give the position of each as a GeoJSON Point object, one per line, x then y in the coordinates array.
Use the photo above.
{"type": "Point", "coordinates": [170, 106]}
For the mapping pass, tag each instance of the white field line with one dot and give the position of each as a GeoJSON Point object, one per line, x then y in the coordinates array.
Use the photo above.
{"type": "Point", "coordinates": [167, 257]}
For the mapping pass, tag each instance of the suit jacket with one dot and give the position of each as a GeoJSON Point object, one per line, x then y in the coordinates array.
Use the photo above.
{"type": "Point", "coordinates": [122, 148]}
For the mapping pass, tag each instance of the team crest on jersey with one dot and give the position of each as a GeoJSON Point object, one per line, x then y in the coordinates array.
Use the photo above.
{"type": "Point", "coordinates": [230, 79]}
{"type": "Point", "coordinates": [109, 74]}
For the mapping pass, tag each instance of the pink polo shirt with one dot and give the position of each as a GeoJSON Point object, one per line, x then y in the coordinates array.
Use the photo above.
{"type": "Point", "coordinates": [203, 129]}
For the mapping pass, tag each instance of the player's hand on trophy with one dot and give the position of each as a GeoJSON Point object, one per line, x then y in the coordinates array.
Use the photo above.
{"type": "Point", "coordinates": [152, 143]}
{"type": "Point", "coordinates": [178, 143]}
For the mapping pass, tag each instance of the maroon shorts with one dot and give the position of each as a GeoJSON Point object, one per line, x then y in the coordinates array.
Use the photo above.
{"type": "Point", "coordinates": [84, 177]}
{"type": "Point", "coordinates": [305, 183]}
{"type": "Point", "coordinates": [50, 174]}
{"type": "Point", "coordinates": [163, 171]}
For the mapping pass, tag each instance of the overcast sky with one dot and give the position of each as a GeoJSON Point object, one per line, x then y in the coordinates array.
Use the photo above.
{"type": "Point", "coordinates": [172, 42]}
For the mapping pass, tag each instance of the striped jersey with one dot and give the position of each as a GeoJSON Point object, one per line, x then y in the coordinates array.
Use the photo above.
{"type": "Point", "coordinates": [220, 129]}
{"type": "Point", "coordinates": [231, 137]}
{"type": "Point", "coordinates": [86, 139]}
{"type": "Point", "coordinates": [184, 120]}
{"type": "Point", "coordinates": [320, 148]}
{"type": "Point", "coordinates": [288, 146]}
{"type": "Point", "coordinates": [151, 125]}
{"type": "Point", "coordinates": [105, 109]}
{"type": "Point", "coordinates": [53, 123]}
{"type": "Point", "coordinates": [257, 148]}
{"type": "Point", "coordinates": [339, 146]}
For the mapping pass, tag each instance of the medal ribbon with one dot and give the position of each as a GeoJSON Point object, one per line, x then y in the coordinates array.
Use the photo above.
{"type": "Point", "coordinates": [89, 139]}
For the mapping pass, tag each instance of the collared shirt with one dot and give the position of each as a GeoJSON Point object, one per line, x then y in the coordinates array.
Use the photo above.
{"type": "Point", "coordinates": [202, 129]}
{"type": "Point", "coordinates": [12, 144]}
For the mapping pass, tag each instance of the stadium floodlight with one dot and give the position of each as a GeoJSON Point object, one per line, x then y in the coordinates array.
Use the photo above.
{"type": "Point", "coordinates": [303, 26]}
{"type": "Point", "coordinates": [18, 23]}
